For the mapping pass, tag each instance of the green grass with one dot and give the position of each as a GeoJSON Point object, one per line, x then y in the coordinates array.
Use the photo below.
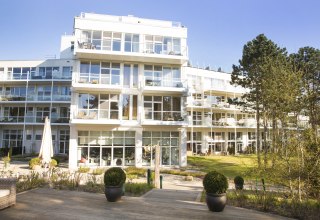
{"type": "Point", "coordinates": [230, 166]}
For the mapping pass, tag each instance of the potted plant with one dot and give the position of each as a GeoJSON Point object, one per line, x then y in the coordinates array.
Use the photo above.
{"type": "Point", "coordinates": [215, 185]}
{"type": "Point", "coordinates": [114, 178]}
{"type": "Point", "coordinates": [238, 182]}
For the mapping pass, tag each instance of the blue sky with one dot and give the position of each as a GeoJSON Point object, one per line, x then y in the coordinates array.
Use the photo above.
{"type": "Point", "coordinates": [217, 30]}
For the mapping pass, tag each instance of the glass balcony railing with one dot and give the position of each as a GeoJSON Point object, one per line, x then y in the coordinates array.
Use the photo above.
{"type": "Point", "coordinates": [36, 76]}
{"type": "Point", "coordinates": [64, 98]}
{"type": "Point", "coordinates": [164, 116]}
{"type": "Point", "coordinates": [31, 119]}
{"type": "Point", "coordinates": [142, 48]}
{"type": "Point", "coordinates": [160, 82]}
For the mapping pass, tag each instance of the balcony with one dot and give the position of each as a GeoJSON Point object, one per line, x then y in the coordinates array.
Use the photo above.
{"type": "Point", "coordinates": [35, 98]}
{"type": "Point", "coordinates": [163, 85]}
{"type": "Point", "coordinates": [223, 122]}
{"type": "Point", "coordinates": [32, 119]}
{"type": "Point", "coordinates": [95, 116]}
{"type": "Point", "coordinates": [96, 82]}
{"type": "Point", "coordinates": [144, 52]}
{"type": "Point", "coordinates": [165, 118]}
{"type": "Point", "coordinates": [35, 77]}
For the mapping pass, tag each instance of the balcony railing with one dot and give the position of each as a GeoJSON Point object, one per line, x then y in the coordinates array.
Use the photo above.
{"type": "Point", "coordinates": [36, 76]}
{"type": "Point", "coordinates": [64, 98]}
{"type": "Point", "coordinates": [165, 116]}
{"type": "Point", "coordinates": [249, 122]}
{"type": "Point", "coordinates": [31, 119]}
{"type": "Point", "coordinates": [160, 82]}
{"type": "Point", "coordinates": [142, 48]}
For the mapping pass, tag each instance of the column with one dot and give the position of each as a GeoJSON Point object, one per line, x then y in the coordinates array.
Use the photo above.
{"type": "Point", "coordinates": [73, 148]}
{"type": "Point", "coordinates": [183, 147]}
{"type": "Point", "coordinates": [138, 150]}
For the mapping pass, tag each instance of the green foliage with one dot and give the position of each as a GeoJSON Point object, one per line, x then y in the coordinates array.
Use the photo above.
{"type": "Point", "coordinates": [53, 163]}
{"type": "Point", "coordinates": [137, 189]}
{"type": "Point", "coordinates": [6, 159]}
{"type": "Point", "coordinates": [31, 181]}
{"type": "Point", "coordinates": [114, 176]}
{"type": "Point", "coordinates": [274, 202]}
{"type": "Point", "coordinates": [215, 183]}
{"type": "Point", "coordinates": [238, 180]}
{"type": "Point", "coordinates": [229, 166]}
{"type": "Point", "coordinates": [97, 171]}
{"type": "Point", "coordinates": [136, 171]}
{"type": "Point", "coordinates": [34, 161]}
{"type": "Point", "coordinates": [83, 169]}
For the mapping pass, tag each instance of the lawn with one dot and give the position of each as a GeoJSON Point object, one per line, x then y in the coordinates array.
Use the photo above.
{"type": "Point", "coordinates": [230, 166]}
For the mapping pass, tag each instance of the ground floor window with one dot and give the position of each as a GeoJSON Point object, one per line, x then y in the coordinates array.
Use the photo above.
{"type": "Point", "coordinates": [106, 148]}
{"type": "Point", "coordinates": [64, 141]}
{"type": "Point", "coordinates": [169, 147]}
{"type": "Point", "coordinates": [217, 147]}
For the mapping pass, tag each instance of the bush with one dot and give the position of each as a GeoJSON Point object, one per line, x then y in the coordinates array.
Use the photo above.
{"type": "Point", "coordinates": [136, 171]}
{"type": "Point", "coordinates": [137, 189]}
{"type": "Point", "coordinates": [83, 169]}
{"type": "Point", "coordinates": [34, 161]}
{"type": "Point", "coordinates": [114, 176]}
{"type": "Point", "coordinates": [53, 163]}
{"type": "Point", "coordinates": [238, 180]}
{"type": "Point", "coordinates": [97, 171]}
{"type": "Point", "coordinates": [215, 182]}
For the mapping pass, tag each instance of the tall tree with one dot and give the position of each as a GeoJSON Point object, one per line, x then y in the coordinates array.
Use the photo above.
{"type": "Point", "coordinates": [307, 60]}
{"type": "Point", "coordinates": [251, 73]}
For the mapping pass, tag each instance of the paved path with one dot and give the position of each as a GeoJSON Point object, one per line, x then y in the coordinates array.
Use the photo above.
{"type": "Point", "coordinates": [158, 204]}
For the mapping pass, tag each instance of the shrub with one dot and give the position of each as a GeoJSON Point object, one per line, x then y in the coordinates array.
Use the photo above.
{"type": "Point", "coordinates": [83, 169]}
{"type": "Point", "coordinates": [137, 189]}
{"type": "Point", "coordinates": [136, 171]}
{"type": "Point", "coordinates": [53, 163]}
{"type": "Point", "coordinates": [34, 161]}
{"type": "Point", "coordinates": [238, 180]}
{"type": "Point", "coordinates": [215, 182]}
{"type": "Point", "coordinates": [114, 176]}
{"type": "Point", "coordinates": [97, 171]}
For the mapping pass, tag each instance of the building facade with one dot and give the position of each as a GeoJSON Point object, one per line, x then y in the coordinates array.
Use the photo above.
{"type": "Point", "coordinates": [131, 89]}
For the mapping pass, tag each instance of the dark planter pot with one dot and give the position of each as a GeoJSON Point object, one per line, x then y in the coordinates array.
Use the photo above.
{"type": "Point", "coordinates": [113, 193]}
{"type": "Point", "coordinates": [238, 186]}
{"type": "Point", "coordinates": [216, 202]}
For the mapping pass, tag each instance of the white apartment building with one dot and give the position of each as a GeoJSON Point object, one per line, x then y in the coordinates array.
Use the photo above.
{"type": "Point", "coordinates": [131, 90]}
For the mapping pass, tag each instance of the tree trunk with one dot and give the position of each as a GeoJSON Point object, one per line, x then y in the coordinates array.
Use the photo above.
{"type": "Point", "coordinates": [258, 134]}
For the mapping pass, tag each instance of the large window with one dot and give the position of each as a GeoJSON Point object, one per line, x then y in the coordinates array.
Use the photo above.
{"type": "Point", "coordinates": [169, 144]}
{"type": "Point", "coordinates": [131, 43]}
{"type": "Point", "coordinates": [64, 141]}
{"type": "Point", "coordinates": [162, 45]}
{"type": "Point", "coordinates": [48, 72]}
{"type": "Point", "coordinates": [100, 73]}
{"type": "Point", "coordinates": [106, 148]}
{"type": "Point", "coordinates": [21, 72]}
{"type": "Point", "coordinates": [129, 107]}
{"type": "Point", "coordinates": [13, 114]}
{"type": "Point", "coordinates": [42, 113]}
{"type": "Point", "coordinates": [94, 106]}
{"type": "Point", "coordinates": [12, 138]}
{"type": "Point", "coordinates": [166, 108]}
{"type": "Point", "coordinates": [162, 76]}
{"type": "Point", "coordinates": [100, 40]}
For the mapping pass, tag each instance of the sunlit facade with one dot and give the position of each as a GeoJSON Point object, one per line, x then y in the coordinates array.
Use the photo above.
{"type": "Point", "coordinates": [122, 86]}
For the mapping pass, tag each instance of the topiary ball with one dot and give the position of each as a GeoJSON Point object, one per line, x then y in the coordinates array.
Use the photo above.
{"type": "Point", "coordinates": [238, 180]}
{"type": "Point", "coordinates": [114, 176]}
{"type": "Point", "coordinates": [215, 183]}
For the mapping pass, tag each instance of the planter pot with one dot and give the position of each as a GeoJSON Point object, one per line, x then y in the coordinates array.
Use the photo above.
{"type": "Point", "coordinates": [216, 202]}
{"type": "Point", "coordinates": [113, 193]}
{"type": "Point", "coordinates": [239, 186]}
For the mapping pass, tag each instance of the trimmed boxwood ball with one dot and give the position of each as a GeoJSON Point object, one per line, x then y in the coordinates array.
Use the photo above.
{"type": "Point", "coordinates": [238, 180]}
{"type": "Point", "coordinates": [114, 176]}
{"type": "Point", "coordinates": [215, 183]}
